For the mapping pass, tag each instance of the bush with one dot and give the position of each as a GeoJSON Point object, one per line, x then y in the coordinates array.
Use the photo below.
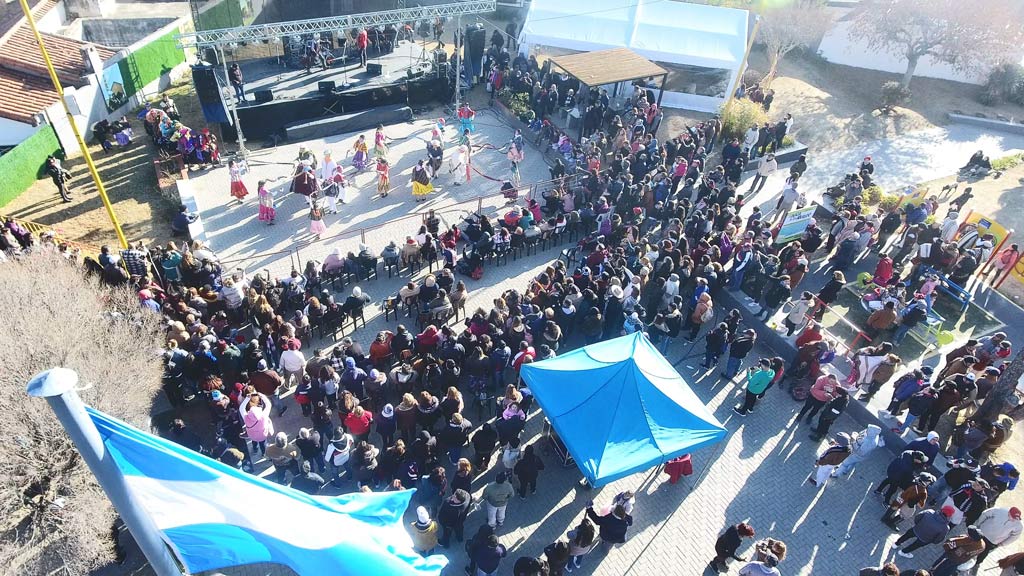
{"type": "Point", "coordinates": [1007, 162]}
{"type": "Point", "coordinates": [739, 115]}
{"type": "Point", "coordinates": [888, 202]}
{"type": "Point", "coordinates": [893, 95]}
{"type": "Point", "coordinates": [871, 195]}
{"type": "Point", "coordinates": [788, 141]}
{"type": "Point", "coordinates": [1004, 81]}
{"type": "Point", "coordinates": [517, 103]}
{"type": "Point", "coordinates": [930, 219]}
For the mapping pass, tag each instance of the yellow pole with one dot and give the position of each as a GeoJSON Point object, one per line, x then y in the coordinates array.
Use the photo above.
{"type": "Point", "coordinates": [743, 64]}
{"type": "Point", "coordinates": [74, 127]}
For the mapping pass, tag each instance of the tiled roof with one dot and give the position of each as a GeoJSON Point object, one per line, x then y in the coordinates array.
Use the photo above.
{"type": "Point", "coordinates": [14, 14]}
{"type": "Point", "coordinates": [22, 95]}
{"type": "Point", "coordinates": [21, 53]}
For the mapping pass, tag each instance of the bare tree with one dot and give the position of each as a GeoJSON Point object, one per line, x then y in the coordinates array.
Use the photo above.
{"type": "Point", "coordinates": [967, 36]}
{"type": "Point", "coordinates": [1002, 396]}
{"type": "Point", "coordinates": [786, 27]}
{"type": "Point", "coordinates": [54, 515]}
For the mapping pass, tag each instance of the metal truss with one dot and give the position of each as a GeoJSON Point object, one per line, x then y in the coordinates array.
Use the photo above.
{"type": "Point", "coordinates": [334, 24]}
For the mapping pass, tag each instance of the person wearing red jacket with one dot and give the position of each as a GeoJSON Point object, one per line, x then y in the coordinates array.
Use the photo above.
{"type": "Point", "coordinates": [362, 42]}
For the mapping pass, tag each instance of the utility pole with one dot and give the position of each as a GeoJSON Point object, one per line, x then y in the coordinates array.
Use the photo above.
{"type": "Point", "coordinates": [234, 109]}
{"type": "Point", "coordinates": [58, 387]}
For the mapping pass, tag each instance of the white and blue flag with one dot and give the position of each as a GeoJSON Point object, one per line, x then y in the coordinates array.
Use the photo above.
{"type": "Point", "coordinates": [215, 516]}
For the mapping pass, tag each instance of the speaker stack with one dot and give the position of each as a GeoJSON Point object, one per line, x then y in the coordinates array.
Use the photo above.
{"type": "Point", "coordinates": [374, 69]}
{"type": "Point", "coordinates": [263, 96]}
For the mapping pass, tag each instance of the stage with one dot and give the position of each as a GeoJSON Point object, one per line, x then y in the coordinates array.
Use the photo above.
{"type": "Point", "coordinates": [291, 83]}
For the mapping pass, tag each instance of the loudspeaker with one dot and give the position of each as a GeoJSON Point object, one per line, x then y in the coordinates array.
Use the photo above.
{"type": "Point", "coordinates": [440, 56]}
{"type": "Point", "coordinates": [326, 87]}
{"type": "Point", "coordinates": [206, 84]}
{"type": "Point", "coordinates": [211, 56]}
{"type": "Point", "coordinates": [263, 96]}
{"type": "Point", "coordinates": [374, 69]}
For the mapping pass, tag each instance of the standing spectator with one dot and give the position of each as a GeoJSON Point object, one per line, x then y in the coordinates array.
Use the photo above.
{"type": "Point", "coordinates": [557, 554]}
{"type": "Point", "coordinates": [487, 556]}
{"type": "Point", "coordinates": [716, 341]}
{"type": "Point", "coordinates": [285, 457]}
{"type": "Point", "coordinates": [738, 350]}
{"type": "Point", "coordinates": [728, 544]}
{"type": "Point", "coordinates": [452, 516]}
{"type": "Point", "coordinates": [908, 502]}
{"type": "Point", "coordinates": [527, 470]}
{"type": "Point", "coordinates": [308, 481]}
{"type": "Point", "coordinates": [496, 497]}
{"type": "Point", "coordinates": [798, 313]}
{"type": "Point", "coordinates": [821, 393]}
{"type": "Point", "coordinates": [957, 551]}
{"type": "Point", "coordinates": [485, 440]}
{"type": "Point", "coordinates": [765, 168]}
{"type": "Point", "coordinates": [901, 473]}
{"type": "Point", "coordinates": [424, 533]}
{"type": "Point", "coordinates": [863, 443]}
{"type": "Point", "coordinates": [930, 527]}
{"type": "Point", "coordinates": [763, 567]}
{"type": "Point", "coordinates": [837, 451]}
{"type": "Point", "coordinates": [758, 379]}
{"type": "Point", "coordinates": [830, 413]}
{"type": "Point", "coordinates": [61, 177]}
{"type": "Point", "coordinates": [612, 527]}
{"type": "Point", "coordinates": [293, 363]}
{"type": "Point", "coordinates": [999, 527]}
{"type": "Point", "coordinates": [235, 76]}
{"type": "Point", "coordinates": [582, 539]}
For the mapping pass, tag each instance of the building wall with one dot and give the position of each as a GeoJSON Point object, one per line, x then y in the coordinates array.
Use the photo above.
{"type": "Point", "coordinates": [13, 132]}
{"type": "Point", "coordinates": [24, 164]}
{"type": "Point", "coordinates": [838, 47]}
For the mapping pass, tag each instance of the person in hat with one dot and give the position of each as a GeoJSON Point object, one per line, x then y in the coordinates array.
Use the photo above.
{"type": "Point", "coordinates": [452, 516]}
{"type": "Point", "coordinates": [338, 455]}
{"type": "Point", "coordinates": [424, 532]}
{"type": "Point", "coordinates": [999, 527]}
{"type": "Point", "coordinates": [908, 502]}
{"type": "Point", "coordinates": [959, 550]}
{"type": "Point", "coordinates": [766, 567]}
{"type": "Point", "coordinates": [901, 473]}
{"type": "Point", "coordinates": [930, 527]}
{"type": "Point", "coordinates": [928, 444]}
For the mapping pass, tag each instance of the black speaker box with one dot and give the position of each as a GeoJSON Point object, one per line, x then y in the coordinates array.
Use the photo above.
{"type": "Point", "coordinates": [263, 96]}
{"type": "Point", "coordinates": [374, 69]}
{"type": "Point", "coordinates": [326, 87]}
{"type": "Point", "coordinates": [206, 84]}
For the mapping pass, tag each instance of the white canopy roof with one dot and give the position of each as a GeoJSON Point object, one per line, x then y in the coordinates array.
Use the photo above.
{"type": "Point", "coordinates": [660, 30]}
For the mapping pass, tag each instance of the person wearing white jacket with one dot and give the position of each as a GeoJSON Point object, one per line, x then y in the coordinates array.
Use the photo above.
{"type": "Point", "coordinates": [765, 168]}
{"type": "Point", "coordinates": [798, 313]}
{"type": "Point", "coordinates": [999, 527]}
{"type": "Point", "coordinates": [949, 227]}
{"type": "Point", "coordinates": [750, 141]}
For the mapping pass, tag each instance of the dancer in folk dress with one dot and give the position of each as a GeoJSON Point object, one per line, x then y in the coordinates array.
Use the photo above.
{"type": "Point", "coordinates": [266, 197]}
{"type": "Point", "coordinates": [383, 178]}
{"type": "Point", "coordinates": [361, 158]}
{"type": "Point", "coordinates": [380, 146]}
{"type": "Point", "coordinates": [235, 170]}
{"type": "Point", "coordinates": [466, 117]}
{"type": "Point", "coordinates": [421, 186]}
{"type": "Point", "coordinates": [316, 217]}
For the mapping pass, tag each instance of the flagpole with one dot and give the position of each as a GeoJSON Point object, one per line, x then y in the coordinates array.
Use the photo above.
{"type": "Point", "coordinates": [57, 386]}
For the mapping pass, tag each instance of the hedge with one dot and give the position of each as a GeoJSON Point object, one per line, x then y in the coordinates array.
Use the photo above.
{"type": "Point", "coordinates": [25, 163]}
{"type": "Point", "coordinates": [150, 62]}
{"type": "Point", "coordinates": [223, 14]}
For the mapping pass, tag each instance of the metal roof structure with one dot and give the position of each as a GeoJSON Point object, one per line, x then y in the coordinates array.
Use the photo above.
{"type": "Point", "coordinates": [333, 24]}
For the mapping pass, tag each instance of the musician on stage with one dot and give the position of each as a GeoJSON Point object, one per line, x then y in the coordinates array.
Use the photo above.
{"type": "Point", "coordinates": [315, 52]}
{"type": "Point", "coordinates": [362, 42]}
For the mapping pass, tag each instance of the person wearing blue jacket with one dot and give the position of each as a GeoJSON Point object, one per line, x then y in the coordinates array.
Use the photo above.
{"type": "Point", "coordinates": [900, 473]}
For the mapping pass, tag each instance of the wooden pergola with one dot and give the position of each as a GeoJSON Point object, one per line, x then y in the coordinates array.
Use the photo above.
{"type": "Point", "coordinates": [609, 67]}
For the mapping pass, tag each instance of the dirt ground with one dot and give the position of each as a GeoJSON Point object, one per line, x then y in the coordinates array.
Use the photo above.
{"type": "Point", "coordinates": [999, 199]}
{"type": "Point", "coordinates": [130, 179]}
{"type": "Point", "coordinates": [835, 106]}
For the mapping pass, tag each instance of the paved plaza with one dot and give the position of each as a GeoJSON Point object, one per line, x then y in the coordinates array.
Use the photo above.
{"type": "Point", "coordinates": [755, 474]}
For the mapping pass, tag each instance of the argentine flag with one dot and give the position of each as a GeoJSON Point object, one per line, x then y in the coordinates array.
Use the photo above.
{"type": "Point", "coordinates": [214, 516]}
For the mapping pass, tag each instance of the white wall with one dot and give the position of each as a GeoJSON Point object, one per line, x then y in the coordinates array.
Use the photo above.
{"type": "Point", "coordinates": [838, 47]}
{"type": "Point", "coordinates": [13, 132]}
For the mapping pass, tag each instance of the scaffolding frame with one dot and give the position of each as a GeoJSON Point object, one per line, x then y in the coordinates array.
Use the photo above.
{"type": "Point", "coordinates": [333, 24]}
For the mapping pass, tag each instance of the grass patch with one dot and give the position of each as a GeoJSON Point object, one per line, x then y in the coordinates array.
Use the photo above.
{"type": "Point", "coordinates": [1007, 162]}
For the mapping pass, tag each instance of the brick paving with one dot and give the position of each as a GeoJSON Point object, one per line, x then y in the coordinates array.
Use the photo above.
{"type": "Point", "coordinates": [754, 474]}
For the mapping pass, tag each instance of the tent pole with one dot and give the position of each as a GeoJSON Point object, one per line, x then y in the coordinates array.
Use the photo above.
{"type": "Point", "coordinates": [661, 91]}
{"type": "Point", "coordinates": [583, 115]}
{"type": "Point", "coordinates": [743, 64]}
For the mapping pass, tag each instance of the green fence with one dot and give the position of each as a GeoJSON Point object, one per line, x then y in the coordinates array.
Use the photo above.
{"type": "Point", "coordinates": [24, 164]}
{"type": "Point", "coordinates": [149, 62]}
{"type": "Point", "coordinates": [221, 14]}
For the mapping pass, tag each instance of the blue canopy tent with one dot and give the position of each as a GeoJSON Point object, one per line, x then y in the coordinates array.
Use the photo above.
{"type": "Point", "coordinates": [620, 407]}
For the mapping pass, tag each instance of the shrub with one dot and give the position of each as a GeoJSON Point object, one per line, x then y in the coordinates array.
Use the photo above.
{"type": "Point", "coordinates": [888, 202]}
{"type": "Point", "coordinates": [893, 95]}
{"type": "Point", "coordinates": [739, 115]}
{"type": "Point", "coordinates": [517, 103]}
{"type": "Point", "coordinates": [1007, 162]}
{"type": "Point", "coordinates": [930, 219]}
{"type": "Point", "coordinates": [1003, 81]}
{"type": "Point", "coordinates": [871, 195]}
{"type": "Point", "coordinates": [788, 141]}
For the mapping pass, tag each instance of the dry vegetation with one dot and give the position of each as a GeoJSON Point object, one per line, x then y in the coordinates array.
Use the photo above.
{"type": "Point", "coordinates": [53, 513]}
